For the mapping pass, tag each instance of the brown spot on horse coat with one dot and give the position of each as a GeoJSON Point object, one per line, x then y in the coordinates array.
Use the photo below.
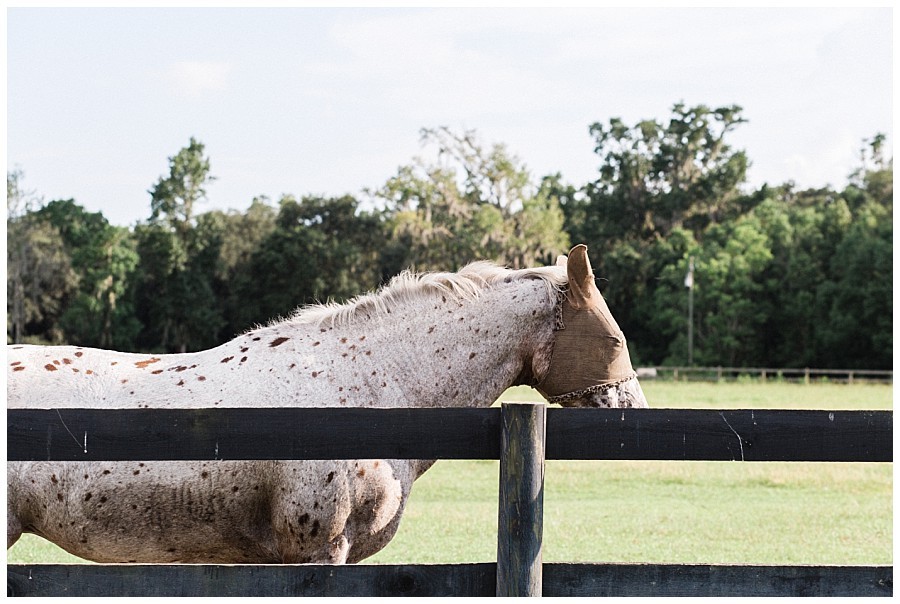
{"type": "Point", "coordinates": [19, 368]}
{"type": "Point", "coordinates": [226, 359]}
{"type": "Point", "coordinates": [142, 364]}
{"type": "Point", "coordinates": [243, 359]}
{"type": "Point", "coordinates": [67, 361]}
{"type": "Point", "coordinates": [278, 342]}
{"type": "Point", "coordinates": [157, 372]}
{"type": "Point", "coordinates": [78, 354]}
{"type": "Point", "coordinates": [50, 367]}
{"type": "Point", "coordinates": [201, 378]}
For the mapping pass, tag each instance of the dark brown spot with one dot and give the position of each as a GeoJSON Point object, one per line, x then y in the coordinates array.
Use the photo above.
{"type": "Point", "coordinates": [361, 472]}
{"type": "Point", "coordinates": [78, 354]}
{"type": "Point", "coordinates": [315, 529]}
{"type": "Point", "coordinates": [316, 343]}
{"type": "Point", "coordinates": [180, 383]}
{"type": "Point", "coordinates": [204, 474]}
{"type": "Point", "coordinates": [278, 342]}
{"type": "Point", "coordinates": [243, 359]}
{"type": "Point", "coordinates": [234, 489]}
{"type": "Point", "coordinates": [114, 363]}
{"type": "Point", "coordinates": [67, 361]}
{"type": "Point", "coordinates": [315, 374]}
{"type": "Point", "coordinates": [16, 363]}
{"type": "Point", "coordinates": [142, 364]}
{"type": "Point", "coordinates": [226, 359]}
{"type": "Point", "coordinates": [244, 349]}
{"type": "Point", "coordinates": [54, 479]}
{"type": "Point", "coordinates": [136, 472]}
{"type": "Point", "coordinates": [23, 369]}
{"type": "Point", "coordinates": [471, 355]}
{"type": "Point", "coordinates": [292, 365]}
{"type": "Point", "coordinates": [50, 367]}
{"type": "Point", "coordinates": [362, 338]}
{"type": "Point", "coordinates": [157, 372]}
{"type": "Point", "coordinates": [201, 378]}
{"type": "Point", "coordinates": [256, 339]}
{"type": "Point", "coordinates": [59, 496]}
{"type": "Point", "coordinates": [330, 477]}
{"type": "Point", "coordinates": [303, 519]}
{"type": "Point", "coordinates": [368, 352]}
{"type": "Point", "coordinates": [103, 500]}
{"type": "Point", "coordinates": [89, 372]}
{"type": "Point", "coordinates": [56, 362]}
{"type": "Point", "coordinates": [106, 471]}
{"type": "Point", "coordinates": [124, 381]}
{"type": "Point", "coordinates": [88, 497]}
{"type": "Point", "coordinates": [180, 368]}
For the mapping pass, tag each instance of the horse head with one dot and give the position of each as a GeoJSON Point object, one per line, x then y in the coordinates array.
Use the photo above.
{"type": "Point", "coordinates": [589, 365]}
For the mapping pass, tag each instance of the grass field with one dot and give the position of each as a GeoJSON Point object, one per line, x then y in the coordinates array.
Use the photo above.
{"type": "Point", "coordinates": [689, 512]}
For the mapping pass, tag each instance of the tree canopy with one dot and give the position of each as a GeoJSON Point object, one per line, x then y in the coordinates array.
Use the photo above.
{"type": "Point", "coordinates": [782, 277]}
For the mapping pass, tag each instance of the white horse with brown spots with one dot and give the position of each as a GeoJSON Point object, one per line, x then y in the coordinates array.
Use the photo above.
{"type": "Point", "coordinates": [439, 339]}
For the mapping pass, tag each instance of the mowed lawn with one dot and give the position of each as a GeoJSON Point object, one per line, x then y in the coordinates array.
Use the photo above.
{"type": "Point", "coordinates": [688, 512]}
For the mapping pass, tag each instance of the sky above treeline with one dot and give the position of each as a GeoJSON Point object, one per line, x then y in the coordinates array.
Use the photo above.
{"type": "Point", "coordinates": [331, 101]}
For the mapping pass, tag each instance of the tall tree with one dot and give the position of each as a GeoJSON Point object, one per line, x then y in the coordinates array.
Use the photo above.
{"type": "Point", "coordinates": [471, 203]}
{"type": "Point", "coordinates": [179, 260]}
{"type": "Point", "coordinates": [321, 249]}
{"type": "Point", "coordinates": [655, 179]}
{"type": "Point", "coordinates": [104, 257]}
{"type": "Point", "coordinates": [39, 277]}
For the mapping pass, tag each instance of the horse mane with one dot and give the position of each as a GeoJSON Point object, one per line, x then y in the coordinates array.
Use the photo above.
{"type": "Point", "coordinates": [467, 284]}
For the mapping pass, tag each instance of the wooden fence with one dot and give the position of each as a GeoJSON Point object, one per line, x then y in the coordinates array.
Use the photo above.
{"type": "Point", "coordinates": [521, 435]}
{"type": "Point", "coordinates": [801, 374]}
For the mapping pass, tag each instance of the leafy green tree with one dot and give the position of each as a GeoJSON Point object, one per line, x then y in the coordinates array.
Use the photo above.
{"type": "Point", "coordinates": [655, 179]}
{"type": "Point", "coordinates": [180, 255]}
{"type": "Point", "coordinates": [104, 257]}
{"type": "Point", "coordinates": [40, 278]}
{"type": "Point", "coordinates": [472, 203]}
{"type": "Point", "coordinates": [320, 249]}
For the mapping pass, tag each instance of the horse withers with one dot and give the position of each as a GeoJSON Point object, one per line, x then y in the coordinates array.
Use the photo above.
{"type": "Point", "coordinates": [439, 339]}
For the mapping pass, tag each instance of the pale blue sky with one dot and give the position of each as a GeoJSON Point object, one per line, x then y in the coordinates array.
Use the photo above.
{"type": "Point", "coordinates": [330, 101]}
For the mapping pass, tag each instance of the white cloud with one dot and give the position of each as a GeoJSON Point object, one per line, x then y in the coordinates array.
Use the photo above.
{"type": "Point", "coordinates": [193, 79]}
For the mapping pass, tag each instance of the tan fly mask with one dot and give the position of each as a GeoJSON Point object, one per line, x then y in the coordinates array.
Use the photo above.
{"type": "Point", "coordinates": [590, 357]}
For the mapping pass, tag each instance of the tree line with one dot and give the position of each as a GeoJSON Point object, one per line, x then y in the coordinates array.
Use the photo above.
{"type": "Point", "coordinates": [783, 277]}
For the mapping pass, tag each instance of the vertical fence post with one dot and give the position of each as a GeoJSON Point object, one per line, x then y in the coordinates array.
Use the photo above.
{"type": "Point", "coordinates": [521, 515]}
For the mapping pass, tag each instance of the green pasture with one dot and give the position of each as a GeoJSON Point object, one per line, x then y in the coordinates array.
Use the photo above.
{"type": "Point", "coordinates": [664, 512]}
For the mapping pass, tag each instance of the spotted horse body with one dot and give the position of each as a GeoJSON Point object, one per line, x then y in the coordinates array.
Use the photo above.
{"type": "Point", "coordinates": [440, 339]}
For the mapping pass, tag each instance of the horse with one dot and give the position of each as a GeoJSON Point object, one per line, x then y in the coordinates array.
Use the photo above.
{"type": "Point", "coordinates": [437, 339]}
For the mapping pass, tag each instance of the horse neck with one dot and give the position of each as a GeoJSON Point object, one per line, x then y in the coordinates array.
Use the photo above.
{"type": "Point", "coordinates": [437, 351]}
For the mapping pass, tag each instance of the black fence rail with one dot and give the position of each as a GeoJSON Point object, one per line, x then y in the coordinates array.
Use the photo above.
{"type": "Point", "coordinates": [521, 435]}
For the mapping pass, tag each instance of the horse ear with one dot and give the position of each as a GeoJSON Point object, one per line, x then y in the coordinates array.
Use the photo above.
{"type": "Point", "coordinates": [560, 261]}
{"type": "Point", "coordinates": [581, 278]}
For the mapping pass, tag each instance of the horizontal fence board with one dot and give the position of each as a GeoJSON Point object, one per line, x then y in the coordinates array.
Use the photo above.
{"type": "Point", "coordinates": [719, 435]}
{"type": "Point", "coordinates": [98, 580]}
{"type": "Point", "coordinates": [616, 580]}
{"type": "Point", "coordinates": [207, 580]}
{"type": "Point", "coordinates": [243, 433]}
{"type": "Point", "coordinates": [612, 434]}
